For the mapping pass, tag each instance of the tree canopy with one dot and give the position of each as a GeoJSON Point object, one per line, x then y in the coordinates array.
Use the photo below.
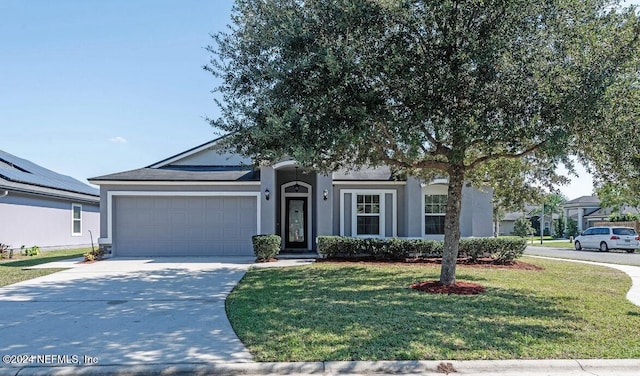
{"type": "Point", "coordinates": [456, 88]}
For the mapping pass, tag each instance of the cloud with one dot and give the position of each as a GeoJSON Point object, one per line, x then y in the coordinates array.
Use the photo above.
{"type": "Point", "coordinates": [118, 140]}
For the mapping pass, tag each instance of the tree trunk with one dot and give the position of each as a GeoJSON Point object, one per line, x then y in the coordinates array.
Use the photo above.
{"type": "Point", "coordinates": [452, 227]}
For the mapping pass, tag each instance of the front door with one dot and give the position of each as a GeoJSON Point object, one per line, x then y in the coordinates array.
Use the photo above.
{"type": "Point", "coordinates": [296, 218]}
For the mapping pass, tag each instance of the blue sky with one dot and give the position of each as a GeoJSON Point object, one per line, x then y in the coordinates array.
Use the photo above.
{"type": "Point", "coordinates": [91, 87]}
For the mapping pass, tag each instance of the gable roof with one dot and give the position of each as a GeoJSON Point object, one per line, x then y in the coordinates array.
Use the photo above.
{"type": "Point", "coordinates": [186, 153]}
{"type": "Point", "coordinates": [182, 175]}
{"type": "Point", "coordinates": [23, 175]}
{"type": "Point", "coordinates": [584, 201]}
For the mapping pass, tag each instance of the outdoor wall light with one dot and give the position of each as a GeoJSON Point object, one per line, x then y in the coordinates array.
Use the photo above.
{"type": "Point", "coordinates": [267, 194]}
{"type": "Point", "coordinates": [325, 194]}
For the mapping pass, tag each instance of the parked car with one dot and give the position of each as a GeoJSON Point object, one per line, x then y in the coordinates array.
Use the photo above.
{"type": "Point", "coordinates": [605, 238]}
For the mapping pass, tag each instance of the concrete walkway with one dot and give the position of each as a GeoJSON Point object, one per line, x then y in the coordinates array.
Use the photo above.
{"type": "Point", "coordinates": [166, 317]}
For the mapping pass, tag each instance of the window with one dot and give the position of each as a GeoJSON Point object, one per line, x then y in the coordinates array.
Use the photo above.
{"type": "Point", "coordinates": [435, 207]}
{"type": "Point", "coordinates": [624, 231]}
{"type": "Point", "coordinates": [368, 215]}
{"type": "Point", "coordinates": [76, 220]}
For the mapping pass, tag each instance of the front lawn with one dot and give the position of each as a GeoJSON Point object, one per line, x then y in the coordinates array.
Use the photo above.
{"type": "Point", "coordinates": [367, 312]}
{"type": "Point", "coordinates": [11, 270]}
{"type": "Point", "coordinates": [551, 243]}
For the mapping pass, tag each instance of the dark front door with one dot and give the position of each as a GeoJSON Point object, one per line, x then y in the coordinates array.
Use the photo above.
{"type": "Point", "coordinates": [296, 222]}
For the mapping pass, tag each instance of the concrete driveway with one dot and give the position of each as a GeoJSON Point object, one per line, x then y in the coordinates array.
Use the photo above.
{"type": "Point", "coordinates": [125, 311]}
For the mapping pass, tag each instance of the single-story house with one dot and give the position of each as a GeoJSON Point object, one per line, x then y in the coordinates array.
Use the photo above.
{"type": "Point", "coordinates": [39, 207]}
{"type": "Point", "coordinates": [205, 201]}
{"type": "Point", "coordinates": [531, 212]}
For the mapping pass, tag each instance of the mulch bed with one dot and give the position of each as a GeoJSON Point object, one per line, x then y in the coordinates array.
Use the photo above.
{"type": "Point", "coordinates": [458, 288]}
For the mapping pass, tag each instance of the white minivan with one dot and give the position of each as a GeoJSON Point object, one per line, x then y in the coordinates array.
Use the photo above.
{"type": "Point", "coordinates": [605, 238]}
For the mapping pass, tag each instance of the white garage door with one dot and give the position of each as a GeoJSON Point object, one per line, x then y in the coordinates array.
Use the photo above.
{"type": "Point", "coordinates": [184, 226]}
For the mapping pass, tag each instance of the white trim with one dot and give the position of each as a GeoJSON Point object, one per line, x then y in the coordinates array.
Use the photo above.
{"type": "Point", "coordinates": [184, 154]}
{"type": "Point", "coordinates": [112, 194]}
{"type": "Point", "coordinates": [286, 163]}
{"type": "Point", "coordinates": [422, 217]}
{"type": "Point", "coordinates": [187, 183]}
{"type": "Point", "coordinates": [283, 209]}
{"type": "Point", "coordinates": [435, 182]}
{"type": "Point", "coordinates": [367, 182]}
{"type": "Point", "coordinates": [73, 206]}
{"type": "Point", "coordinates": [383, 207]}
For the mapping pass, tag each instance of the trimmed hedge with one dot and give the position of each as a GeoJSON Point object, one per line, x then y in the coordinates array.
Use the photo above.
{"type": "Point", "coordinates": [498, 249]}
{"type": "Point", "coordinates": [266, 247]}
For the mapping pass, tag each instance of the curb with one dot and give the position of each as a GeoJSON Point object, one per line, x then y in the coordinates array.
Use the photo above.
{"type": "Point", "coordinates": [602, 367]}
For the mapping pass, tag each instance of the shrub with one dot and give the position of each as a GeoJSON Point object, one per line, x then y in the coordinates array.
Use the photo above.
{"type": "Point", "coordinates": [500, 250]}
{"type": "Point", "coordinates": [266, 247]}
{"type": "Point", "coordinates": [572, 227]}
{"type": "Point", "coordinates": [4, 251]}
{"type": "Point", "coordinates": [33, 251]}
{"type": "Point", "coordinates": [626, 217]}
{"type": "Point", "coordinates": [94, 254]}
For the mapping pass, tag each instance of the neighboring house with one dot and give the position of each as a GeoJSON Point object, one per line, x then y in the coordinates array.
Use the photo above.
{"type": "Point", "coordinates": [507, 223]}
{"type": "Point", "coordinates": [580, 209]}
{"type": "Point", "coordinates": [586, 211]}
{"type": "Point", "coordinates": [39, 207]}
{"type": "Point", "coordinates": [207, 202]}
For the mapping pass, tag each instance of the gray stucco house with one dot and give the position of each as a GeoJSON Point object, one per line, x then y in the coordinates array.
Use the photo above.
{"type": "Point", "coordinates": [207, 202]}
{"type": "Point", "coordinates": [39, 207]}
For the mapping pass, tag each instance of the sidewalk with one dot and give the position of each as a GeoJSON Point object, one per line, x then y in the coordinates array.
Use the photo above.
{"type": "Point", "coordinates": [628, 367]}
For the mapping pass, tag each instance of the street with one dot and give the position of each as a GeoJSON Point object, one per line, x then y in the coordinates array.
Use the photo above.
{"type": "Point", "coordinates": [612, 257]}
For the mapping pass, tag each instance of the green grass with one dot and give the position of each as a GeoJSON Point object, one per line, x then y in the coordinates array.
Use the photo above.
{"type": "Point", "coordinates": [11, 270]}
{"type": "Point", "coordinates": [547, 241]}
{"type": "Point", "coordinates": [365, 312]}
{"type": "Point", "coordinates": [550, 244]}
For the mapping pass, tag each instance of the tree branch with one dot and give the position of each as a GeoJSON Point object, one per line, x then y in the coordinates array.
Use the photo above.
{"type": "Point", "coordinates": [481, 160]}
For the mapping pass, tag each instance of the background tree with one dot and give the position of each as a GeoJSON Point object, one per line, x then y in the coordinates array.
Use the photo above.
{"type": "Point", "coordinates": [522, 227]}
{"type": "Point", "coordinates": [615, 160]}
{"type": "Point", "coordinates": [552, 203]}
{"type": "Point", "coordinates": [427, 87]}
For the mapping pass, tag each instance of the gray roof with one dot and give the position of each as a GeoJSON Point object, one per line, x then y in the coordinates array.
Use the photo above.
{"type": "Point", "coordinates": [605, 212]}
{"type": "Point", "coordinates": [239, 173]}
{"type": "Point", "coordinates": [21, 174]}
{"type": "Point", "coordinates": [584, 201]}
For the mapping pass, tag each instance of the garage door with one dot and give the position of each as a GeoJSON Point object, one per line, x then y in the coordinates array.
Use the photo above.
{"type": "Point", "coordinates": [184, 226]}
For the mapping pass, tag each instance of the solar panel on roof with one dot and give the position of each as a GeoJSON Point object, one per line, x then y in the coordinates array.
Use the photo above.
{"type": "Point", "coordinates": [23, 171]}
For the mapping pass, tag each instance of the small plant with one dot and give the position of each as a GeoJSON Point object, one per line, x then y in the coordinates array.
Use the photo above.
{"type": "Point", "coordinates": [4, 251]}
{"type": "Point", "coordinates": [33, 251]}
{"type": "Point", "coordinates": [94, 254]}
{"type": "Point", "coordinates": [266, 247]}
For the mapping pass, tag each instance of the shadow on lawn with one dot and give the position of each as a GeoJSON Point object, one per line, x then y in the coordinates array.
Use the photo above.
{"type": "Point", "coordinates": [27, 262]}
{"type": "Point", "coordinates": [357, 313]}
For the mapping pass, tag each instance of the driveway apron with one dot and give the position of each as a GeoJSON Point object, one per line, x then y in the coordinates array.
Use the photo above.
{"type": "Point", "coordinates": [125, 311]}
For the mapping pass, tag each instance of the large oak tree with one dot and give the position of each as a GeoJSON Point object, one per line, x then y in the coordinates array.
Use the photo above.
{"type": "Point", "coordinates": [430, 88]}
